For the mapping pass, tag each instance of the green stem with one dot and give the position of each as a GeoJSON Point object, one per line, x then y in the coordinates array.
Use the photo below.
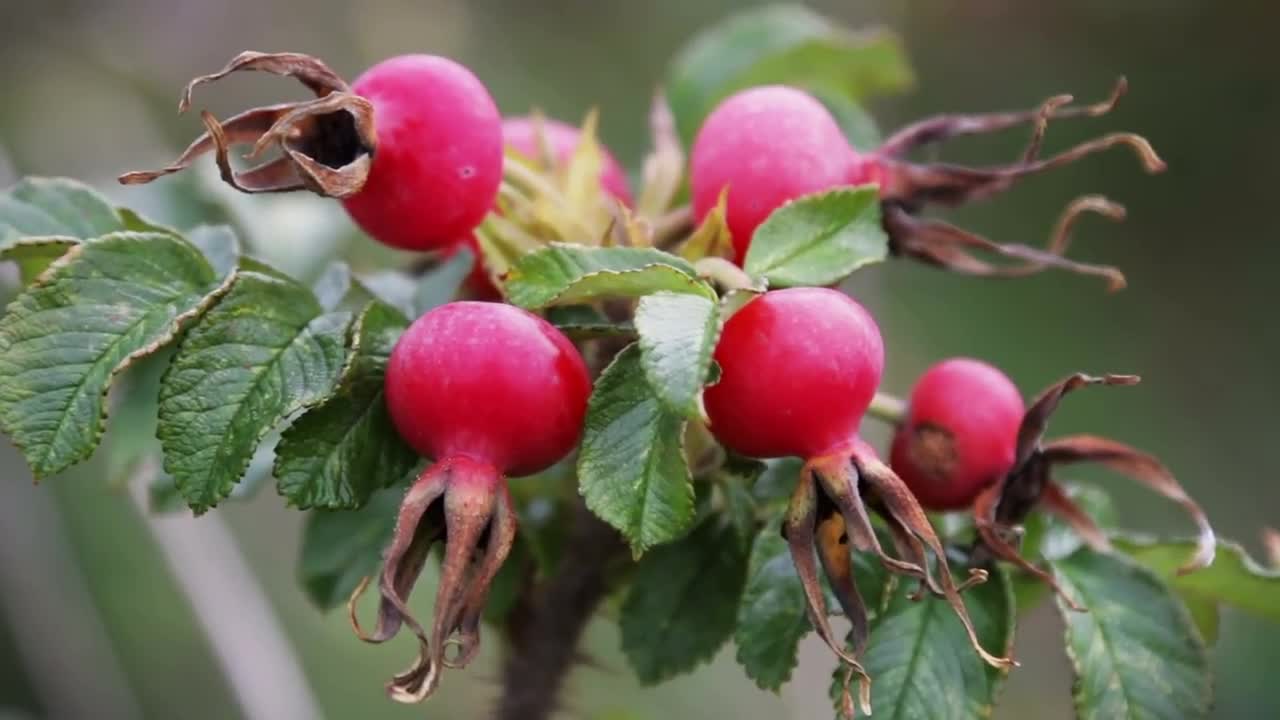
{"type": "Point", "coordinates": [887, 408]}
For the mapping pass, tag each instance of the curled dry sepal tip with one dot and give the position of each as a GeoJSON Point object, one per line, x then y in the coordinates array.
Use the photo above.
{"type": "Point", "coordinates": [1000, 508]}
{"type": "Point", "coordinates": [327, 143]}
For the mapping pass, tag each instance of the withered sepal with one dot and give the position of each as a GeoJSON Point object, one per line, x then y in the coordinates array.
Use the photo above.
{"type": "Point", "coordinates": [326, 144]}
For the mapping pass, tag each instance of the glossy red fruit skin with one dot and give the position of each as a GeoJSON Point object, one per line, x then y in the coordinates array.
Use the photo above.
{"type": "Point", "coordinates": [768, 144]}
{"type": "Point", "coordinates": [981, 409]}
{"type": "Point", "coordinates": [490, 382]}
{"type": "Point", "coordinates": [438, 162]}
{"type": "Point", "coordinates": [798, 369]}
{"type": "Point", "coordinates": [521, 134]}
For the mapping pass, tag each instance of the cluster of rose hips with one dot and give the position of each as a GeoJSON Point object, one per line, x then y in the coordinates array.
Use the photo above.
{"type": "Point", "coordinates": [414, 149]}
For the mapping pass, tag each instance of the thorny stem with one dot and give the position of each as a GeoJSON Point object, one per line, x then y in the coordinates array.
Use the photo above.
{"type": "Point", "coordinates": [544, 636]}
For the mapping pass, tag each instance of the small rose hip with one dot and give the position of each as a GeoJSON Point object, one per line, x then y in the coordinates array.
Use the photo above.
{"type": "Point", "coordinates": [960, 433]}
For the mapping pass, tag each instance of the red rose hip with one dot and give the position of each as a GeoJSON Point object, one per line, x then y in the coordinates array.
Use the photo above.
{"type": "Point", "coordinates": [486, 390]}
{"type": "Point", "coordinates": [767, 145]}
{"type": "Point", "coordinates": [798, 369]}
{"type": "Point", "coordinates": [960, 433]}
{"type": "Point", "coordinates": [438, 162]}
{"type": "Point", "coordinates": [489, 381]}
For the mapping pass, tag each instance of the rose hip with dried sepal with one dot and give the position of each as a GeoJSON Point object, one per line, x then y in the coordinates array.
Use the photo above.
{"type": "Point", "coordinates": [413, 148]}
{"type": "Point", "coordinates": [487, 390]}
{"type": "Point", "coordinates": [799, 368]}
{"type": "Point", "coordinates": [965, 441]}
{"type": "Point", "coordinates": [769, 145]}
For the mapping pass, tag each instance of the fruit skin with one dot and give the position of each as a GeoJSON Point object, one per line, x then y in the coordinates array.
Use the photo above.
{"type": "Point", "coordinates": [490, 382]}
{"type": "Point", "coordinates": [521, 134]}
{"type": "Point", "coordinates": [768, 144]}
{"type": "Point", "coordinates": [960, 433]}
{"type": "Point", "coordinates": [798, 368]}
{"type": "Point", "coordinates": [438, 161]}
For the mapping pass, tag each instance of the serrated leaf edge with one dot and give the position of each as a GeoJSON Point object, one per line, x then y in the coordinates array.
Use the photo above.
{"type": "Point", "coordinates": [177, 327]}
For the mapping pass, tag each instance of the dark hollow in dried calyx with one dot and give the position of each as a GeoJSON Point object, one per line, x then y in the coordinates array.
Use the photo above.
{"type": "Point", "coordinates": [326, 144]}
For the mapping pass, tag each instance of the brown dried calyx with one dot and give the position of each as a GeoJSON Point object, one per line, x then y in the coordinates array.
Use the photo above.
{"type": "Point", "coordinates": [827, 512]}
{"type": "Point", "coordinates": [466, 507]}
{"type": "Point", "coordinates": [326, 144]}
{"type": "Point", "coordinates": [1000, 509]}
{"type": "Point", "coordinates": [906, 188]}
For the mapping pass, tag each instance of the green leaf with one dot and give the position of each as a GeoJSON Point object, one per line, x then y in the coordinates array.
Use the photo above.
{"type": "Point", "coordinates": [586, 322]}
{"type": "Point", "coordinates": [560, 274]}
{"type": "Point", "coordinates": [1135, 651]}
{"type": "Point", "coordinates": [771, 617]}
{"type": "Point", "coordinates": [49, 207]}
{"type": "Point", "coordinates": [681, 605]}
{"type": "Point", "coordinates": [778, 481]}
{"type": "Point", "coordinates": [341, 451]}
{"type": "Point", "coordinates": [631, 468]}
{"type": "Point", "coordinates": [264, 352]}
{"type": "Point", "coordinates": [1234, 578]}
{"type": "Point", "coordinates": [103, 305]}
{"type": "Point", "coordinates": [735, 479]}
{"type": "Point", "coordinates": [819, 239]}
{"type": "Point", "coordinates": [33, 255]}
{"type": "Point", "coordinates": [920, 660]}
{"type": "Point", "coordinates": [786, 44]}
{"type": "Point", "coordinates": [678, 332]}
{"type": "Point", "coordinates": [339, 548]}
{"type": "Point", "coordinates": [851, 65]}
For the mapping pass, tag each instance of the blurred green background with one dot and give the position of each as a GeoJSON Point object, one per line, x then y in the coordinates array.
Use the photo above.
{"type": "Point", "coordinates": [92, 622]}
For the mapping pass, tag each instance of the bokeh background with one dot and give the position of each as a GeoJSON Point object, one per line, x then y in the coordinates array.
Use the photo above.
{"type": "Point", "coordinates": [92, 622]}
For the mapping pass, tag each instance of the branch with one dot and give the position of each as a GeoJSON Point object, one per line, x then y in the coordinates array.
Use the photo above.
{"type": "Point", "coordinates": [231, 607]}
{"type": "Point", "coordinates": [543, 633]}
{"type": "Point", "coordinates": [60, 635]}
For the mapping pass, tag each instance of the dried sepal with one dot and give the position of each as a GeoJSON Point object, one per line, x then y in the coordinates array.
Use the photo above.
{"type": "Point", "coordinates": [663, 167]}
{"type": "Point", "coordinates": [833, 553]}
{"type": "Point", "coordinates": [1036, 420]}
{"type": "Point", "coordinates": [1144, 468]}
{"type": "Point", "coordinates": [1001, 536]}
{"type": "Point", "coordinates": [903, 506]}
{"type": "Point", "coordinates": [466, 505]}
{"type": "Point", "coordinates": [944, 127]}
{"type": "Point", "coordinates": [907, 187]}
{"type": "Point", "coordinates": [310, 71]}
{"type": "Point", "coordinates": [1056, 501]}
{"type": "Point", "coordinates": [839, 481]}
{"type": "Point", "coordinates": [326, 144]}
{"type": "Point", "coordinates": [800, 530]}
{"type": "Point", "coordinates": [712, 237]}
{"type": "Point", "coordinates": [947, 246]}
